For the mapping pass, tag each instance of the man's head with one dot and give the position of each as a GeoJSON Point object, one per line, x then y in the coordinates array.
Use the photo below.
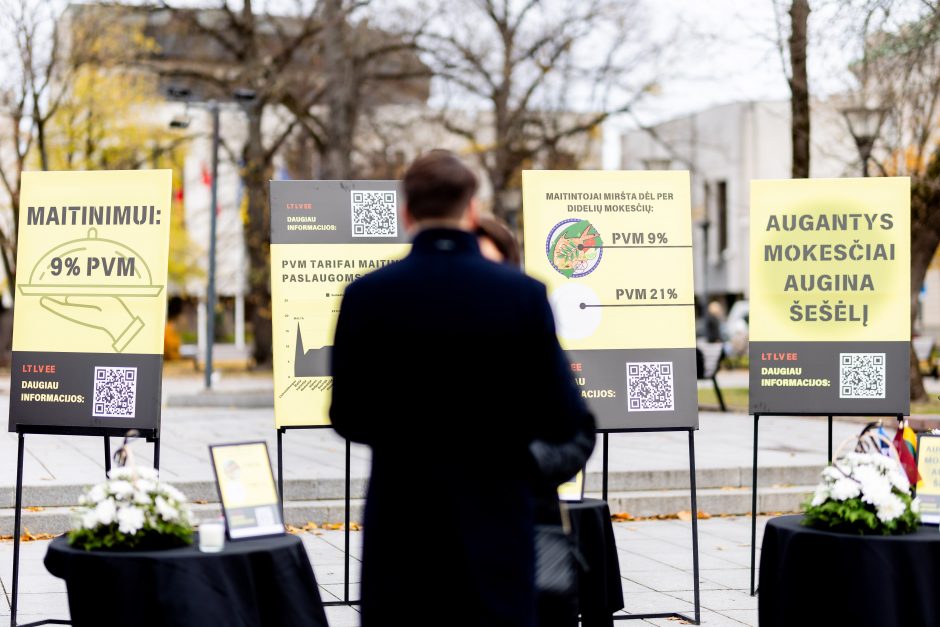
{"type": "Point", "coordinates": [440, 189]}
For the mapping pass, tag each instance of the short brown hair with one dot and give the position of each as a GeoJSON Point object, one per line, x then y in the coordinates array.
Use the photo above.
{"type": "Point", "coordinates": [438, 185]}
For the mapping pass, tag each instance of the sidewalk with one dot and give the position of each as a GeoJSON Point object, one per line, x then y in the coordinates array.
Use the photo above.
{"type": "Point", "coordinates": [723, 439]}
{"type": "Point", "coordinates": [648, 471]}
{"type": "Point", "coordinates": [655, 566]}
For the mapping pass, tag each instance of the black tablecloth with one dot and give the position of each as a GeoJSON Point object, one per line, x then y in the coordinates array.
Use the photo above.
{"type": "Point", "coordinates": [599, 591]}
{"type": "Point", "coordinates": [266, 581]}
{"type": "Point", "coordinates": [817, 577]}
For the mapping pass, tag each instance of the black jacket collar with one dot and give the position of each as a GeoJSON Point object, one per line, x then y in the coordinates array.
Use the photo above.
{"type": "Point", "coordinates": [446, 241]}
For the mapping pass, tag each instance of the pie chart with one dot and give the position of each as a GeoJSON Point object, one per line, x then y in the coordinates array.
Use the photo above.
{"type": "Point", "coordinates": [574, 319]}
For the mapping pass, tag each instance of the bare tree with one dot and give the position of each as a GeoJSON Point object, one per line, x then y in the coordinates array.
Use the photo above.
{"type": "Point", "coordinates": [792, 38]}
{"type": "Point", "coordinates": [543, 74]}
{"type": "Point", "coordinates": [364, 67]}
{"type": "Point", "coordinates": [26, 105]}
{"type": "Point", "coordinates": [46, 48]}
{"type": "Point", "coordinates": [310, 70]}
{"type": "Point", "coordinates": [231, 49]}
{"type": "Point", "coordinates": [899, 70]}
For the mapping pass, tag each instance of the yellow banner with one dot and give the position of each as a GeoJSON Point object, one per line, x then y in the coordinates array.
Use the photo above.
{"type": "Point", "coordinates": [307, 287]}
{"type": "Point", "coordinates": [615, 251]}
{"type": "Point", "coordinates": [324, 235]}
{"type": "Point", "coordinates": [92, 262]}
{"type": "Point", "coordinates": [830, 260]}
{"type": "Point", "coordinates": [928, 489]}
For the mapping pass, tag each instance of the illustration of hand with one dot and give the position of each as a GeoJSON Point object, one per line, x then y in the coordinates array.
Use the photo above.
{"type": "Point", "coordinates": [107, 313]}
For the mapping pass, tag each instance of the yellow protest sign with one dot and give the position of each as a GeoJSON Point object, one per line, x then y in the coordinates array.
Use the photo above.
{"type": "Point", "coordinates": [615, 252]}
{"type": "Point", "coordinates": [830, 296]}
{"type": "Point", "coordinates": [324, 235]}
{"type": "Point", "coordinates": [90, 299]}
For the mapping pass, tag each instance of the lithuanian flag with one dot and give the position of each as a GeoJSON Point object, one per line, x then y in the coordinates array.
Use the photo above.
{"type": "Point", "coordinates": [905, 441]}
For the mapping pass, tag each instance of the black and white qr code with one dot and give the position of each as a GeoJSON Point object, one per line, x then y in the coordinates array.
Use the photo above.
{"type": "Point", "coordinates": [650, 386]}
{"type": "Point", "coordinates": [374, 214]}
{"type": "Point", "coordinates": [861, 375]}
{"type": "Point", "coordinates": [115, 392]}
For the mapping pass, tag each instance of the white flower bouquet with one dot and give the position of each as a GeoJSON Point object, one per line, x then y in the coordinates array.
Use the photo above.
{"type": "Point", "coordinates": [132, 510]}
{"type": "Point", "coordinates": [864, 492]}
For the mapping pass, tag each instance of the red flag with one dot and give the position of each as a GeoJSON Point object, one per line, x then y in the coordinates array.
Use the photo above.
{"type": "Point", "coordinates": [907, 460]}
{"type": "Point", "coordinates": [207, 181]}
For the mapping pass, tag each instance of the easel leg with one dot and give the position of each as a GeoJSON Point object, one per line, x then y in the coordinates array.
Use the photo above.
{"type": "Point", "coordinates": [695, 565]}
{"type": "Point", "coordinates": [346, 526]}
{"type": "Point", "coordinates": [156, 453]}
{"type": "Point", "coordinates": [721, 400]}
{"type": "Point", "coordinates": [280, 469]}
{"type": "Point", "coordinates": [107, 455]}
{"type": "Point", "coordinates": [604, 469]}
{"type": "Point", "coordinates": [16, 527]}
{"type": "Point", "coordinates": [830, 439]}
{"type": "Point", "coordinates": [754, 509]}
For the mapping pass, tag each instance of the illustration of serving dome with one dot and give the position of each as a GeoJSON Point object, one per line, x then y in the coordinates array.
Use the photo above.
{"type": "Point", "coordinates": [574, 248]}
{"type": "Point", "coordinates": [85, 281]}
{"type": "Point", "coordinates": [91, 267]}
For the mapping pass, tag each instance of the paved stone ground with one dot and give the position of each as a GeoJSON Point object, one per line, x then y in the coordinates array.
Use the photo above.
{"type": "Point", "coordinates": [655, 563]}
{"type": "Point", "coordinates": [724, 440]}
{"type": "Point", "coordinates": [655, 556]}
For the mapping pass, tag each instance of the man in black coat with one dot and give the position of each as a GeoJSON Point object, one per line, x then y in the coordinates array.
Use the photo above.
{"type": "Point", "coordinates": [448, 366]}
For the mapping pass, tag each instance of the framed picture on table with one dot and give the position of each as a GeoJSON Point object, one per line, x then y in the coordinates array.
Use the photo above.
{"type": "Point", "coordinates": [928, 488]}
{"type": "Point", "coordinates": [247, 490]}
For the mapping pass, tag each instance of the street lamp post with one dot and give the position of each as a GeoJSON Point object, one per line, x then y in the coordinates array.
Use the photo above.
{"type": "Point", "coordinates": [864, 125]}
{"type": "Point", "coordinates": [243, 96]}
{"type": "Point", "coordinates": [213, 107]}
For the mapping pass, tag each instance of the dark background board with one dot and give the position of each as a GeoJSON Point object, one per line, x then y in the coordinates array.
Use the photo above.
{"type": "Point", "coordinates": [606, 371]}
{"type": "Point", "coordinates": [330, 203]}
{"type": "Point", "coordinates": [821, 360]}
{"type": "Point", "coordinates": [76, 377]}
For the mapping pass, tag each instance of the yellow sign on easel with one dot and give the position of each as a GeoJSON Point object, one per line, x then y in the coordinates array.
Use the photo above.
{"type": "Point", "coordinates": [90, 299]}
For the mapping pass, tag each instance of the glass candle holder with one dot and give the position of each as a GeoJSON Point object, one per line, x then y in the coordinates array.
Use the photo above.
{"type": "Point", "coordinates": [212, 536]}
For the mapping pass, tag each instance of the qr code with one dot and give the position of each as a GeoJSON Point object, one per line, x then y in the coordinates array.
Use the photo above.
{"type": "Point", "coordinates": [861, 375]}
{"type": "Point", "coordinates": [374, 214]}
{"type": "Point", "coordinates": [649, 386]}
{"type": "Point", "coordinates": [115, 392]}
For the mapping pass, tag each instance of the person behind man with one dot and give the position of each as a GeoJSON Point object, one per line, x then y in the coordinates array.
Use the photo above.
{"type": "Point", "coordinates": [496, 241]}
{"type": "Point", "coordinates": [448, 366]}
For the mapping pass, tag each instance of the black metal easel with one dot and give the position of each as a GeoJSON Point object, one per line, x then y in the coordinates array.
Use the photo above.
{"type": "Point", "coordinates": [152, 435]}
{"type": "Point", "coordinates": [605, 454]}
{"type": "Point", "coordinates": [348, 500]}
{"type": "Point", "coordinates": [757, 416]}
{"type": "Point", "coordinates": [695, 565]}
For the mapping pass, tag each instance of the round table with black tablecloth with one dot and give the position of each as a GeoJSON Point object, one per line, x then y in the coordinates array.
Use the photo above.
{"type": "Point", "coordinates": [599, 590]}
{"type": "Point", "coordinates": [264, 581]}
{"type": "Point", "coordinates": [809, 576]}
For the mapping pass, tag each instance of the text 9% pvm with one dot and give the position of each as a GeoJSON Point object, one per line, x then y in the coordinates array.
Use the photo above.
{"type": "Point", "coordinates": [106, 266]}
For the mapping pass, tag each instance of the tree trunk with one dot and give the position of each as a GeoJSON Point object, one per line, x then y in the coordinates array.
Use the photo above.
{"type": "Point", "coordinates": [923, 246]}
{"type": "Point", "coordinates": [258, 236]}
{"type": "Point", "coordinates": [799, 89]}
{"type": "Point", "coordinates": [341, 97]}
